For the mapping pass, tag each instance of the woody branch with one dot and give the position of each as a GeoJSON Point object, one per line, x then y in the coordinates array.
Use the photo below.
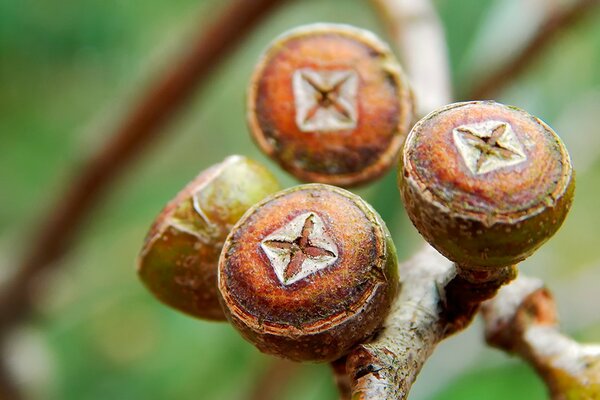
{"type": "Point", "coordinates": [522, 320]}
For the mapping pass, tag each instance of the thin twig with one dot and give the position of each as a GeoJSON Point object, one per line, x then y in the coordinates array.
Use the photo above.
{"type": "Point", "coordinates": [387, 368]}
{"type": "Point", "coordinates": [522, 320]}
{"type": "Point", "coordinates": [424, 314]}
{"type": "Point", "coordinates": [157, 107]}
{"type": "Point", "coordinates": [417, 33]}
{"type": "Point", "coordinates": [558, 22]}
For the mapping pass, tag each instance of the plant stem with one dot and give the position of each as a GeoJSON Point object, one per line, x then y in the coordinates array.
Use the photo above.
{"type": "Point", "coordinates": [435, 302]}
{"type": "Point", "coordinates": [522, 320]}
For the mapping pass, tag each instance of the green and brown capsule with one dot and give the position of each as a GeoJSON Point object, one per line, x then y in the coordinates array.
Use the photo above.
{"type": "Point", "coordinates": [485, 184]}
{"type": "Point", "coordinates": [308, 273]}
{"type": "Point", "coordinates": [178, 262]}
{"type": "Point", "coordinates": [330, 104]}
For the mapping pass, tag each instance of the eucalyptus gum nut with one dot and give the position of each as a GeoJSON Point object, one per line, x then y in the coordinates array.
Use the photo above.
{"type": "Point", "coordinates": [330, 104]}
{"type": "Point", "coordinates": [484, 183]}
{"type": "Point", "coordinates": [178, 262]}
{"type": "Point", "coordinates": [308, 273]}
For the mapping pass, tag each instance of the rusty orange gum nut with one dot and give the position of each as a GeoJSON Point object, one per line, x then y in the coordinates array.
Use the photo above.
{"type": "Point", "coordinates": [308, 273]}
{"type": "Point", "coordinates": [178, 262]}
{"type": "Point", "coordinates": [330, 104]}
{"type": "Point", "coordinates": [485, 184]}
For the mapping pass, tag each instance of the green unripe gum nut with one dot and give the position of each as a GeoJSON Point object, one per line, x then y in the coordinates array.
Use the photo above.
{"type": "Point", "coordinates": [178, 262]}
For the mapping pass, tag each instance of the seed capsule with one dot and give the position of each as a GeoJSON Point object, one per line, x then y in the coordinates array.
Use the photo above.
{"type": "Point", "coordinates": [178, 262]}
{"type": "Point", "coordinates": [330, 104]}
{"type": "Point", "coordinates": [486, 184]}
{"type": "Point", "coordinates": [308, 273]}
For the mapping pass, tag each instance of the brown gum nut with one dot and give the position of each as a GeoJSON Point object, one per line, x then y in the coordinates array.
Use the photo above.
{"type": "Point", "coordinates": [486, 184]}
{"type": "Point", "coordinates": [308, 273]}
{"type": "Point", "coordinates": [178, 262]}
{"type": "Point", "coordinates": [330, 104]}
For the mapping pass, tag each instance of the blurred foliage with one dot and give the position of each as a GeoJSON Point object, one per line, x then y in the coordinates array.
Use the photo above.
{"type": "Point", "coordinates": [69, 70]}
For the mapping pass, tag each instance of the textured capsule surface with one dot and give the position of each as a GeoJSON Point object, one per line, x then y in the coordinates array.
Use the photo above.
{"type": "Point", "coordinates": [486, 184]}
{"type": "Point", "coordinates": [330, 104]}
{"type": "Point", "coordinates": [178, 262]}
{"type": "Point", "coordinates": [308, 273]}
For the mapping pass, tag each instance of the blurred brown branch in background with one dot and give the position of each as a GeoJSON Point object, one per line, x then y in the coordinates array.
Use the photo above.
{"type": "Point", "coordinates": [156, 107]}
{"type": "Point", "coordinates": [558, 21]}
{"type": "Point", "coordinates": [8, 388]}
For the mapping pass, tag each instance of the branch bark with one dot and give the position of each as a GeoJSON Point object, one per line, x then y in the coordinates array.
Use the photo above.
{"type": "Point", "coordinates": [558, 22]}
{"type": "Point", "coordinates": [522, 320]}
{"type": "Point", "coordinates": [435, 302]}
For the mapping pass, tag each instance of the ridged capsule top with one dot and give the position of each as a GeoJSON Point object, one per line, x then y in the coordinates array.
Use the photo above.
{"type": "Point", "coordinates": [308, 272]}
{"type": "Point", "coordinates": [485, 183]}
{"type": "Point", "coordinates": [330, 103]}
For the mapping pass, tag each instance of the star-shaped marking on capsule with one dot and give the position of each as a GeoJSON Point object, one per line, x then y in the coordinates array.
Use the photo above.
{"type": "Point", "coordinates": [488, 146]}
{"type": "Point", "coordinates": [325, 100]}
{"type": "Point", "coordinates": [300, 248]}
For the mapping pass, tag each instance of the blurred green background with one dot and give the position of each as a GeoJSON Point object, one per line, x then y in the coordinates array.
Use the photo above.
{"type": "Point", "coordinates": [69, 70]}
